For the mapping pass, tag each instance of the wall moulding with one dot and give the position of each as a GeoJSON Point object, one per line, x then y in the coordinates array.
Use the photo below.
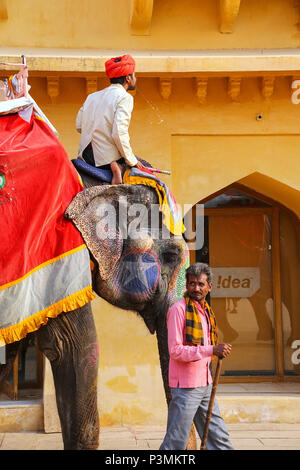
{"type": "Point", "coordinates": [53, 87]}
{"type": "Point", "coordinates": [140, 17]}
{"type": "Point", "coordinates": [228, 13]}
{"type": "Point", "coordinates": [87, 62]}
{"type": "Point", "coordinates": [91, 85]}
{"type": "Point", "coordinates": [201, 89]}
{"type": "Point", "coordinates": [267, 86]}
{"type": "Point", "coordinates": [3, 10]}
{"type": "Point", "coordinates": [165, 88]}
{"type": "Point", "coordinates": [234, 88]}
{"type": "Point", "coordinates": [100, 76]}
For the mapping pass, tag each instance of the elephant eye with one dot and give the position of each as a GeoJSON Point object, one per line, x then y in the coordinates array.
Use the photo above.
{"type": "Point", "coordinates": [170, 257]}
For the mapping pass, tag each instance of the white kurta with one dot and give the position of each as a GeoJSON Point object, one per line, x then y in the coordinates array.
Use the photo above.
{"type": "Point", "coordinates": [103, 121]}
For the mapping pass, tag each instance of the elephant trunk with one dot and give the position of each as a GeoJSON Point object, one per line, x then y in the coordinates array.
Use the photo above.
{"type": "Point", "coordinates": [162, 342]}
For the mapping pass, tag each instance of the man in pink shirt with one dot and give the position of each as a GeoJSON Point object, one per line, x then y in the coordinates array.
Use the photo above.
{"type": "Point", "coordinates": [192, 341]}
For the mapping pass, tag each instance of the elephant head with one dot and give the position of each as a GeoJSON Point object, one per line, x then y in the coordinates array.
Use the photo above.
{"type": "Point", "coordinates": [138, 264]}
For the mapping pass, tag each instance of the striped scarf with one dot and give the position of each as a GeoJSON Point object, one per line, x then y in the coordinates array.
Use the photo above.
{"type": "Point", "coordinates": [194, 331]}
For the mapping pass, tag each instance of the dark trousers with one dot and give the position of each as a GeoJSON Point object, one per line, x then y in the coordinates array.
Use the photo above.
{"type": "Point", "coordinates": [88, 157]}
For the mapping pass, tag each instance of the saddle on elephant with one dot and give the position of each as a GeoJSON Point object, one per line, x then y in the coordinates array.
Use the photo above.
{"type": "Point", "coordinates": [172, 216]}
{"type": "Point", "coordinates": [44, 262]}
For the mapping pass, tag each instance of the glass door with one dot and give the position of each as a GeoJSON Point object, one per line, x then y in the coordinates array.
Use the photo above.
{"type": "Point", "coordinates": [240, 255]}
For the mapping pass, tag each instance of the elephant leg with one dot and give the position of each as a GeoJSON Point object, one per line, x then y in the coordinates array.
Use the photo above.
{"type": "Point", "coordinates": [162, 342]}
{"type": "Point", "coordinates": [70, 343]}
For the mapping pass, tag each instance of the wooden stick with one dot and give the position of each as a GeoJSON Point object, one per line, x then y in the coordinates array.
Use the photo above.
{"type": "Point", "coordinates": [157, 170]}
{"type": "Point", "coordinates": [211, 404]}
{"type": "Point", "coordinates": [11, 64]}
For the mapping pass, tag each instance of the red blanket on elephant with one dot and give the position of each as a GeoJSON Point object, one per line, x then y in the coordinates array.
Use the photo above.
{"type": "Point", "coordinates": [44, 263]}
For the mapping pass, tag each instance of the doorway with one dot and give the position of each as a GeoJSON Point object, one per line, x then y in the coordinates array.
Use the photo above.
{"type": "Point", "coordinates": [25, 379]}
{"type": "Point", "coordinates": [243, 246]}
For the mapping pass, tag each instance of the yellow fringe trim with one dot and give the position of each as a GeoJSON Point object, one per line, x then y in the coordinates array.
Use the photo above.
{"type": "Point", "coordinates": [176, 229]}
{"type": "Point", "coordinates": [33, 323]}
{"type": "Point", "coordinates": [79, 178]}
{"type": "Point", "coordinates": [46, 263]}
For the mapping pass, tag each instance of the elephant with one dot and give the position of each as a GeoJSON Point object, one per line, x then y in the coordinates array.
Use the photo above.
{"type": "Point", "coordinates": [70, 340]}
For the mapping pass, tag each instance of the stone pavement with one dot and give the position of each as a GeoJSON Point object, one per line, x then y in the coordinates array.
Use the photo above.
{"type": "Point", "coordinates": [244, 436]}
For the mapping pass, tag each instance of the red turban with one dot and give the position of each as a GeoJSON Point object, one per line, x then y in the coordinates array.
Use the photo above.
{"type": "Point", "coordinates": [119, 66]}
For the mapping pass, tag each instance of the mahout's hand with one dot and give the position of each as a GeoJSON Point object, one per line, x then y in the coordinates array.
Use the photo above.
{"type": "Point", "coordinates": [222, 350]}
{"type": "Point", "coordinates": [140, 166]}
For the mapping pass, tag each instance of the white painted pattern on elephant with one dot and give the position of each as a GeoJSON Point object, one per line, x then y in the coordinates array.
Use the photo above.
{"type": "Point", "coordinates": [141, 272]}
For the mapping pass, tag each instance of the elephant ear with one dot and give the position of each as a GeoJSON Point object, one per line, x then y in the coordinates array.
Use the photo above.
{"type": "Point", "coordinates": [93, 214]}
{"type": "Point", "coordinates": [82, 200]}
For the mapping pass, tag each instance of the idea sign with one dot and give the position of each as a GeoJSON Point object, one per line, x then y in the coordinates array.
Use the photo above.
{"type": "Point", "coordinates": [235, 282]}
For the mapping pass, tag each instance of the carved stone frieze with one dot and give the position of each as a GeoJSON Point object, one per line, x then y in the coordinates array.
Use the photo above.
{"type": "Point", "coordinates": [232, 85]}
{"type": "Point", "coordinates": [165, 88]}
{"type": "Point", "coordinates": [201, 89]}
{"type": "Point", "coordinates": [267, 86]}
{"type": "Point", "coordinates": [91, 85]}
{"type": "Point", "coordinates": [234, 88]}
{"type": "Point", "coordinates": [53, 88]}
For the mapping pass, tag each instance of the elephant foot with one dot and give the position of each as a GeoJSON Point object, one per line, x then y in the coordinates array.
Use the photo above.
{"type": "Point", "coordinates": [83, 446]}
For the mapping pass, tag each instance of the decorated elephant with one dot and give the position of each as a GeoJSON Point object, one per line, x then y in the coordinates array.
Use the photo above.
{"type": "Point", "coordinates": [143, 273]}
{"type": "Point", "coordinates": [45, 279]}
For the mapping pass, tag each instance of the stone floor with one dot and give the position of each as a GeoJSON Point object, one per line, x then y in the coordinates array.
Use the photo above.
{"type": "Point", "coordinates": [244, 436]}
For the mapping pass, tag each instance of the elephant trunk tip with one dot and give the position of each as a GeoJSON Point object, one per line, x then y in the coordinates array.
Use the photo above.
{"type": "Point", "coordinates": [149, 322]}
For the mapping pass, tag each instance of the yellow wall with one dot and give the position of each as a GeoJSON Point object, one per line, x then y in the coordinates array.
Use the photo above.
{"type": "Point", "coordinates": [207, 146]}
{"type": "Point", "coordinates": [130, 387]}
{"type": "Point", "coordinates": [93, 24]}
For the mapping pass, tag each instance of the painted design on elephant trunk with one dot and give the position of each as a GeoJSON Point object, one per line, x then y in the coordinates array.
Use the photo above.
{"type": "Point", "coordinates": [91, 359]}
{"type": "Point", "coordinates": [140, 274]}
{"type": "Point", "coordinates": [177, 281]}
